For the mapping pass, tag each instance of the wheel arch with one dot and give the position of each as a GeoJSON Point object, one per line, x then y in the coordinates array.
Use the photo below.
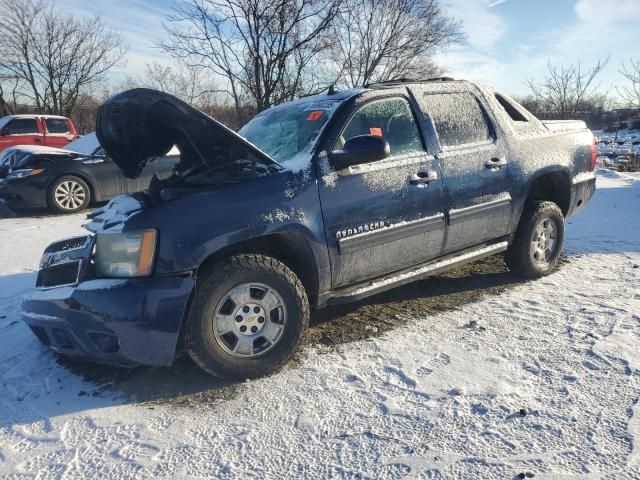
{"type": "Point", "coordinates": [290, 248]}
{"type": "Point", "coordinates": [553, 186]}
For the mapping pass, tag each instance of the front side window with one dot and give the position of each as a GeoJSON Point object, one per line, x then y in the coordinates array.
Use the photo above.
{"type": "Point", "coordinates": [391, 119]}
{"type": "Point", "coordinates": [57, 125]}
{"type": "Point", "coordinates": [22, 126]}
{"type": "Point", "coordinates": [458, 118]}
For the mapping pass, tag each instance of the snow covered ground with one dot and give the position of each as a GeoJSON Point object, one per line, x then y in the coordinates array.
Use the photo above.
{"type": "Point", "coordinates": [542, 379]}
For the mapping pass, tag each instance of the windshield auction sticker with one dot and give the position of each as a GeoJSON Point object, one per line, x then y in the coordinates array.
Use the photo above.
{"type": "Point", "coordinates": [322, 105]}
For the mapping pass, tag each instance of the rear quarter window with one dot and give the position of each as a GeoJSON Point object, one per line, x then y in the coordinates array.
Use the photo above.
{"type": "Point", "coordinates": [510, 109]}
{"type": "Point", "coordinates": [458, 118]}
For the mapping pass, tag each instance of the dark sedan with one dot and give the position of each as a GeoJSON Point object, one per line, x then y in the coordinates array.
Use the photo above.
{"type": "Point", "coordinates": [68, 180]}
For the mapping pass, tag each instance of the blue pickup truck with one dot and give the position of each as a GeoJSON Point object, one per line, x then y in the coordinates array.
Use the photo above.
{"type": "Point", "coordinates": [322, 200]}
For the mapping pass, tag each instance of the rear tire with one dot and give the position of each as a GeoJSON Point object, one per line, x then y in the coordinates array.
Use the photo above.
{"type": "Point", "coordinates": [538, 241]}
{"type": "Point", "coordinates": [247, 318]}
{"type": "Point", "coordinates": [68, 194]}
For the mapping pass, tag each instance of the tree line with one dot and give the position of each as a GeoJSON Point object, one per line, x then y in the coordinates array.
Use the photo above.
{"type": "Point", "coordinates": [234, 58]}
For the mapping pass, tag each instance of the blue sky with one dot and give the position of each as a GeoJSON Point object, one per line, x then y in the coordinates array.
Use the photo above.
{"type": "Point", "coordinates": [507, 40]}
{"type": "Point", "coordinates": [511, 40]}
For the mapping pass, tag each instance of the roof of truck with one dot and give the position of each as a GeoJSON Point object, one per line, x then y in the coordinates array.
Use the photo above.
{"type": "Point", "coordinates": [31, 115]}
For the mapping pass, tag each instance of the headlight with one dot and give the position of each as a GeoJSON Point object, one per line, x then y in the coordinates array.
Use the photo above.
{"type": "Point", "coordinates": [24, 172]}
{"type": "Point", "coordinates": [129, 254]}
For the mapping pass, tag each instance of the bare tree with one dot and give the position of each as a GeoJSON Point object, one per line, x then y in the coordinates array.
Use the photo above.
{"type": "Point", "coordinates": [631, 94]}
{"type": "Point", "coordinates": [566, 88]}
{"type": "Point", "coordinates": [8, 94]}
{"type": "Point", "coordinates": [379, 40]}
{"type": "Point", "coordinates": [191, 84]}
{"type": "Point", "coordinates": [260, 48]}
{"type": "Point", "coordinates": [54, 57]}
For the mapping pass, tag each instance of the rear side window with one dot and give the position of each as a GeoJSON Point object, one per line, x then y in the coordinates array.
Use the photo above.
{"type": "Point", "coordinates": [57, 125]}
{"type": "Point", "coordinates": [458, 118]}
{"type": "Point", "coordinates": [391, 119]}
{"type": "Point", "coordinates": [511, 110]}
{"type": "Point", "coordinates": [22, 126]}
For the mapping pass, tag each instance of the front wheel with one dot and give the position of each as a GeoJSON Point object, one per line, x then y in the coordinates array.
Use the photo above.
{"type": "Point", "coordinates": [247, 318]}
{"type": "Point", "coordinates": [69, 194]}
{"type": "Point", "coordinates": [538, 240]}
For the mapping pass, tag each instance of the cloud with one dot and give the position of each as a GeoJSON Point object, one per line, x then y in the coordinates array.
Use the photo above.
{"type": "Point", "coordinates": [461, 62]}
{"type": "Point", "coordinates": [139, 22]}
{"type": "Point", "coordinates": [482, 27]}
{"type": "Point", "coordinates": [591, 30]}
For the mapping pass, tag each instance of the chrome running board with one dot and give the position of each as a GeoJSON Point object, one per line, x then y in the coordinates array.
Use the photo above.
{"type": "Point", "coordinates": [404, 277]}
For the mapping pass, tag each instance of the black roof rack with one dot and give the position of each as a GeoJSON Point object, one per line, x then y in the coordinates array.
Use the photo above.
{"type": "Point", "coordinates": [398, 81]}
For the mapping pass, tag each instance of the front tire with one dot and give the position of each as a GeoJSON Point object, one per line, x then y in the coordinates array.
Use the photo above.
{"type": "Point", "coordinates": [247, 318]}
{"type": "Point", "coordinates": [69, 194]}
{"type": "Point", "coordinates": [538, 240]}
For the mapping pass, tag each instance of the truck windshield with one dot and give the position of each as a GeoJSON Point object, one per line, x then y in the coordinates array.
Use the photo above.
{"type": "Point", "coordinates": [285, 131]}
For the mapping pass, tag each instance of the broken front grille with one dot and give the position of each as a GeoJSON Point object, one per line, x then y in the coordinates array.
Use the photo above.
{"type": "Point", "coordinates": [61, 274]}
{"type": "Point", "coordinates": [67, 244]}
{"type": "Point", "coordinates": [65, 262]}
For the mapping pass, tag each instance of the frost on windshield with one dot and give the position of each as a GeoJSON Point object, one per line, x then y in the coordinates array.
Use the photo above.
{"type": "Point", "coordinates": [288, 133]}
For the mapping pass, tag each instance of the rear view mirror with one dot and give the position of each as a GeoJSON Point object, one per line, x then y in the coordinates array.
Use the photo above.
{"type": "Point", "coordinates": [360, 149]}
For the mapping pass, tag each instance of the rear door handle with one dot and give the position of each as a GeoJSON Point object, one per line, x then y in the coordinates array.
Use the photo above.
{"type": "Point", "coordinates": [496, 163]}
{"type": "Point", "coordinates": [423, 178]}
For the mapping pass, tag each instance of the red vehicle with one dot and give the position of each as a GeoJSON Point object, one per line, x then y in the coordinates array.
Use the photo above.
{"type": "Point", "coordinates": [49, 130]}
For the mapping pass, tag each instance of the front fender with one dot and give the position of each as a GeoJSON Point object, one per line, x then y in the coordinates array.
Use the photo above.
{"type": "Point", "coordinates": [193, 228]}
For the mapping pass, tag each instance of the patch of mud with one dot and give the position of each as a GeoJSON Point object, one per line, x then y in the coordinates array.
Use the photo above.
{"type": "Point", "coordinates": [386, 311]}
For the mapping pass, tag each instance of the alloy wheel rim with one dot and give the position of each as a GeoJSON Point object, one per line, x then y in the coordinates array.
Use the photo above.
{"type": "Point", "coordinates": [249, 320]}
{"type": "Point", "coordinates": [544, 242]}
{"type": "Point", "coordinates": [69, 195]}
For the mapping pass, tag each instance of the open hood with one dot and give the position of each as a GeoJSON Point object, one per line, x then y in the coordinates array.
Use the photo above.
{"type": "Point", "coordinates": [137, 125]}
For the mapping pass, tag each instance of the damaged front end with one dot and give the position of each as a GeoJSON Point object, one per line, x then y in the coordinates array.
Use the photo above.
{"type": "Point", "coordinates": [119, 314]}
{"type": "Point", "coordinates": [122, 321]}
{"type": "Point", "coordinates": [139, 125]}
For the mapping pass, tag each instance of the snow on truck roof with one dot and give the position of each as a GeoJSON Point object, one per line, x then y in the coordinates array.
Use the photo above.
{"type": "Point", "coordinates": [33, 115]}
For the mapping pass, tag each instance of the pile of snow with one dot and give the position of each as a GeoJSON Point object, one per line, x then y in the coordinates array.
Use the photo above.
{"type": "Point", "coordinates": [541, 379]}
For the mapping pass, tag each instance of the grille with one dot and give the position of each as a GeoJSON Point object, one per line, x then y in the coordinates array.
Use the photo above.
{"type": "Point", "coordinates": [60, 274]}
{"type": "Point", "coordinates": [68, 244]}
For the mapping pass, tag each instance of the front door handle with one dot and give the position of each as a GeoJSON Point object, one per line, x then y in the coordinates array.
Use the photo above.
{"type": "Point", "coordinates": [423, 178]}
{"type": "Point", "coordinates": [496, 163]}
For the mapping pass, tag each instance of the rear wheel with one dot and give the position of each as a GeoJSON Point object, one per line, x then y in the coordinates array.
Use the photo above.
{"type": "Point", "coordinates": [69, 194]}
{"type": "Point", "coordinates": [538, 241]}
{"type": "Point", "coordinates": [247, 318]}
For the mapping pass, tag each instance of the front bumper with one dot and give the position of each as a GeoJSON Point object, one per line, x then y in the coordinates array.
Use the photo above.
{"type": "Point", "coordinates": [24, 193]}
{"type": "Point", "coordinates": [123, 322]}
{"type": "Point", "coordinates": [5, 211]}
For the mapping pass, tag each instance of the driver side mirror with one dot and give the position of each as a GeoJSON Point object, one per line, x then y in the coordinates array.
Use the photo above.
{"type": "Point", "coordinates": [360, 149]}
